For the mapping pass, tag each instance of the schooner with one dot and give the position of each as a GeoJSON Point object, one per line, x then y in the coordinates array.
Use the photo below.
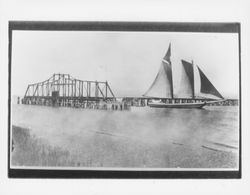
{"type": "Point", "coordinates": [162, 87]}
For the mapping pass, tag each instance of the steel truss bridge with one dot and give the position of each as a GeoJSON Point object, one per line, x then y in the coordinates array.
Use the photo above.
{"type": "Point", "coordinates": [64, 90]}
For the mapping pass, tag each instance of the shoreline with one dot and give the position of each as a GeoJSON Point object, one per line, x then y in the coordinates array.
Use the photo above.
{"type": "Point", "coordinates": [29, 150]}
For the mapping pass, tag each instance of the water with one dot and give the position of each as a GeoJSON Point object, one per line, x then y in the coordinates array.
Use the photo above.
{"type": "Point", "coordinates": [142, 137]}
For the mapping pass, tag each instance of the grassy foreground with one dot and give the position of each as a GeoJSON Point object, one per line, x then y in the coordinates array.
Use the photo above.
{"type": "Point", "coordinates": [27, 150]}
{"type": "Point", "coordinates": [97, 149]}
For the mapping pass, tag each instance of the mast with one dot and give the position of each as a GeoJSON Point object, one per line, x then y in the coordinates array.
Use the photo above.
{"type": "Point", "coordinates": [206, 86]}
{"type": "Point", "coordinates": [193, 94]}
{"type": "Point", "coordinates": [168, 69]}
{"type": "Point", "coordinates": [162, 87]}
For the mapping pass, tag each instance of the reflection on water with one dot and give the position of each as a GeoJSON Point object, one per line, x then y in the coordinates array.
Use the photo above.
{"type": "Point", "coordinates": [142, 137]}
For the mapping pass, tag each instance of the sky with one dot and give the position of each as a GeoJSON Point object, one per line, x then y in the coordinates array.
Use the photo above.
{"type": "Point", "coordinates": [129, 61]}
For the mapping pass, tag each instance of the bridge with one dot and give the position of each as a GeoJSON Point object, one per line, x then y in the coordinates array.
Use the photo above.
{"type": "Point", "coordinates": [64, 90]}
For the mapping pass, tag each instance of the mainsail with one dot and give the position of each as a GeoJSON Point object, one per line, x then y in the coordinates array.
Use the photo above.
{"type": "Point", "coordinates": [162, 87]}
{"type": "Point", "coordinates": [207, 87]}
{"type": "Point", "coordinates": [187, 80]}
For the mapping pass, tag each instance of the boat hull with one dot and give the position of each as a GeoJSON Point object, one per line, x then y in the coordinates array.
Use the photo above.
{"type": "Point", "coordinates": [177, 105]}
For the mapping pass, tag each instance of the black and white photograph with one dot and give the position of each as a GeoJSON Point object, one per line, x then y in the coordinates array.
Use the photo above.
{"type": "Point", "coordinates": [142, 99]}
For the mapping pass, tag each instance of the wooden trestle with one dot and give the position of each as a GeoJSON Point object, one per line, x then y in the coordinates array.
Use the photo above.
{"type": "Point", "coordinates": [64, 90]}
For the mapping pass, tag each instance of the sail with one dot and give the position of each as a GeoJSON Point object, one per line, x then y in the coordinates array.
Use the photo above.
{"type": "Point", "coordinates": [168, 54]}
{"type": "Point", "coordinates": [187, 80]}
{"type": "Point", "coordinates": [207, 87]}
{"type": "Point", "coordinates": [162, 87]}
